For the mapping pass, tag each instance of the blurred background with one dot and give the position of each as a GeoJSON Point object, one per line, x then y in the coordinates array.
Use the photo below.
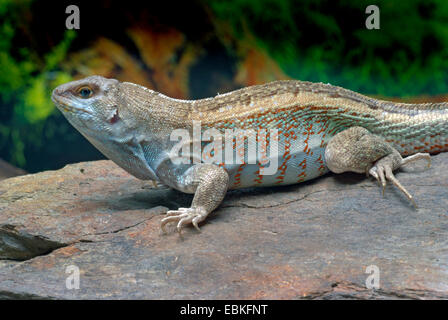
{"type": "Point", "coordinates": [195, 49]}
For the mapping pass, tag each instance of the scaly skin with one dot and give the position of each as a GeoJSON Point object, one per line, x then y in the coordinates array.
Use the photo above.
{"type": "Point", "coordinates": [320, 128]}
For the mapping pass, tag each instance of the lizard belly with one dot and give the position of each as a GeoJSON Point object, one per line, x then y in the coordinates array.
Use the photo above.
{"type": "Point", "coordinates": [295, 166]}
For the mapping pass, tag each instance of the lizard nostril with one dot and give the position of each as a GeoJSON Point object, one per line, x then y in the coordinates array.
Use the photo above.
{"type": "Point", "coordinates": [54, 94]}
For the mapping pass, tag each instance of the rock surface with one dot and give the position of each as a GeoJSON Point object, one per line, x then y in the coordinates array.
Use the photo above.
{"type": "Point", "coordinates": [313, 240]}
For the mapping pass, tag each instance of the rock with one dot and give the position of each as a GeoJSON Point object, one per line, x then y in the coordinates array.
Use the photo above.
{"type": "Point", "coordinates": [313, 240]}
{"type": "Point", "coordinates": [7, 170]}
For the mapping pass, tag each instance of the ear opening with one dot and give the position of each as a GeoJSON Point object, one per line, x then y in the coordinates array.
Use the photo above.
{"type": "Point", "coordinates": [115, 117]}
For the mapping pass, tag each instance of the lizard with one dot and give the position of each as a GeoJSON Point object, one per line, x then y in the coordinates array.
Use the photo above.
{"type": "Point", "coordinates": [320, 128]}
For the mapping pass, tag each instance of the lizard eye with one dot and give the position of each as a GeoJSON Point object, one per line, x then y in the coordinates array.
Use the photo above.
{"type": "Point", "coordinates": [85, 92]}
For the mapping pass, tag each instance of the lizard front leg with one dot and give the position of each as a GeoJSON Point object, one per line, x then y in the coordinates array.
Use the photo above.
{"type": "Point", "coordinates": [358, 150]}
{"type": "Point", "coordinates": [208, 182]}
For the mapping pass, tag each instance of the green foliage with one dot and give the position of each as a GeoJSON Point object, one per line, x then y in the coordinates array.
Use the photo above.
{"type": "Point", "coordinates": [35, 103]}
{"type": "Point", "coordinates": [26, 82]}
{"type": "Point", "coordinates": [325, 40]}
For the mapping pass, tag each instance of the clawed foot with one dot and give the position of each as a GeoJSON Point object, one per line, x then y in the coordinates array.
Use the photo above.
{"type": "Point", "coordinates": [184, 216]}
{"type": "Point", "coordinates": [383, 168]}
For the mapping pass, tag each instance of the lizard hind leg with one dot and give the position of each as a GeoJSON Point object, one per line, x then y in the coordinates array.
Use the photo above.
{"type": "Point", "coordinates": [358, 150]}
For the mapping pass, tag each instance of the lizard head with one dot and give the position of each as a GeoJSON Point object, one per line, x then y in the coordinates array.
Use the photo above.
{"type": "Point", "coordinates": [90, 105]}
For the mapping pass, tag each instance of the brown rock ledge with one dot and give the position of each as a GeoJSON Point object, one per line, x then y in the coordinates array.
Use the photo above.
{"type": "Point", "coordinates": [7, 170]}
{"type": "Point", "coordinates": [312, 240]}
